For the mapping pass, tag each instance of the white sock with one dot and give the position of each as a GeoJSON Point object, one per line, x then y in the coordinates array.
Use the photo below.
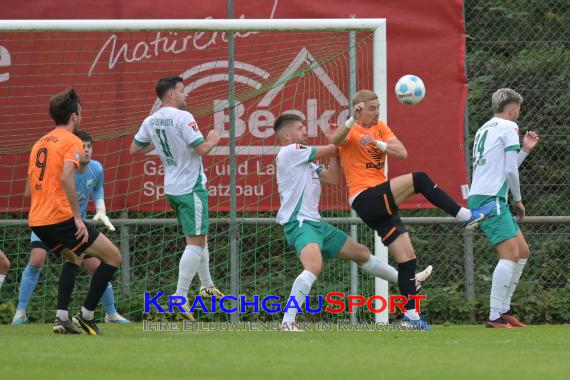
{"type": "Point", "coordinates": [2, 278]}
{"type": "Point", "coordinates": [517, 272]}
{"type": "Point", "coordinates": [501, 279]}
{"type": "Point", "coordinates": [187, 268]}
{"type": "Point", "coordinates": [380, 269]}
{"type": "Point", "coordinates": [412, 314]}
{"type": "Point", "coordinates": [301, 288]}
{"type": "Point", "coordinates": [204, 269]}
{"type": "Point", "coordinates": [463, 215]}
{"type": "Point", "coordinates": [87, 314]}
{"type": "Point", "coordinates": [62, 315]}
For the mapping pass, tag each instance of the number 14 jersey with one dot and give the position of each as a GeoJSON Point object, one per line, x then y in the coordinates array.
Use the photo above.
{"type": "Point", "coordinates": [492, 141]}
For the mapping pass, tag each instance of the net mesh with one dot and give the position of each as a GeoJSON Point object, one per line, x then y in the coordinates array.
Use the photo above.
{"type": "Point", "coordinates": [306, 73]}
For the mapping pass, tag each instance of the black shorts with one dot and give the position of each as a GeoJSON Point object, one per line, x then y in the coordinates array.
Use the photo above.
{"type": "Point", "coordinates": [40, 244]}
{"type": "Point", "coordinates": [62, 235]}
{"type": "Point", "coordinates": [377, 208]}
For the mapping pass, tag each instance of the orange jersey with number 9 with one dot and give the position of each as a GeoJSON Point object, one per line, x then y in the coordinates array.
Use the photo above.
{"type": "Point", "coordinates": [45, 168]}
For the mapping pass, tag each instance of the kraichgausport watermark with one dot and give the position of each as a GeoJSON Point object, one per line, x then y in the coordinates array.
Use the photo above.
{"type": "Point", "coordinates": [333, 302]}
{"type": "Point", "coordinates": [339, 325]}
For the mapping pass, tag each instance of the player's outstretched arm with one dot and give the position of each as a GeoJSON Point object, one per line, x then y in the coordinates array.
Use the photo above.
{"type": "Point", "coordinates": [340, 134]}
{"type": "Point", "coordinates": [139, 150]}
{"type": "Point", "coordinates": [325, 151]}
{"type": "Point", "coordinates": [331, 174]}
{"type": "Point", "coordinates": [206, 147]}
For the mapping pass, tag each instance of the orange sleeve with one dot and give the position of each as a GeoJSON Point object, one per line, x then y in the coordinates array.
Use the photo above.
{"type": "Point", "coordinates": [385, 132]}
{"type": "Point", "coordinates": [73, 151]}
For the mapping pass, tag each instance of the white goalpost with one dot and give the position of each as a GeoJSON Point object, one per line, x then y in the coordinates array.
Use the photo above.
{"type": "Point", "coordinates": [230, 26]}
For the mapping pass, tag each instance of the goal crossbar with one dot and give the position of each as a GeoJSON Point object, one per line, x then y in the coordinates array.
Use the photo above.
{"type": "Point", "coordinates": [189, 25]}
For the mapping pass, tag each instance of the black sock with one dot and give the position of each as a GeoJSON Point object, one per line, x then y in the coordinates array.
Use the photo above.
{"type": "Point", "coordinates": [406, 282]}
{"type": "Point", "coordinates": [102, 276]}
{"type": "Point", "coordinates": [66, 284]}
{"type": "Point", "coordinates": [425, 186]}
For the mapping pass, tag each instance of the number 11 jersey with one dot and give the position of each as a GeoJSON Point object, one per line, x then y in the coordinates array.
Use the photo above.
{"type": "Point", "coordinates": [174, 134]}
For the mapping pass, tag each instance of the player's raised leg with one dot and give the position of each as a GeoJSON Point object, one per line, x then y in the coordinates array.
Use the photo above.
{"type": "Point", "coordinates": [407, 185]}
{"type": "Point", "coordinates": [359, 253]}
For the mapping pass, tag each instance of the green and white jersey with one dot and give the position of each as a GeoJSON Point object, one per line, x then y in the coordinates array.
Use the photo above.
{"type": "Point", "coordinates": [174, 133]}
{"type": "Point", "coordinates": [492, 141]}
{"type": "Point", "coordinates": [298, 184]}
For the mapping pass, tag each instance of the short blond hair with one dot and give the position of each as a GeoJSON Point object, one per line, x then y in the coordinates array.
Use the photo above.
{"type": "Point", "coordinates": [363, 96]}
{"type": "Point", "coordinates": [503, 97]}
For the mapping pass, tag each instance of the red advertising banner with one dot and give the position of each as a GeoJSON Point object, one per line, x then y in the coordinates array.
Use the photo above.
{"type": "Point", "coordinates": [115, 73]}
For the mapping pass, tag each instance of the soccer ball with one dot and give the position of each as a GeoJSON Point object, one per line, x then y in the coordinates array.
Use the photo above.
{"type": "Point", "coordinates": [410, 90]}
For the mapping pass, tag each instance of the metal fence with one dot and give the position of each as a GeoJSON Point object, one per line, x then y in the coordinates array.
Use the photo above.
{"type": "Point", "coordinates": [458, 291]}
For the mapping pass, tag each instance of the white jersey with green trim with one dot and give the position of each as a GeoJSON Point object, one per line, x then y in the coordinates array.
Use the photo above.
{"type": "Point", "coordinates": [174, 133]}
{"type": "Point", "coordinates": [492, 140]}
{"type": "Point", "coordinates": [298, 184]}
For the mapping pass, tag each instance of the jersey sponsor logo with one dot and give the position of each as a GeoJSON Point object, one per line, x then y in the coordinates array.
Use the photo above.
{"type": "Point", "coordinates": [299, 146]}
{"type": "Point", "coordinates": [376, 155]}
{"type": "Point", "coordinates": [371, 165]}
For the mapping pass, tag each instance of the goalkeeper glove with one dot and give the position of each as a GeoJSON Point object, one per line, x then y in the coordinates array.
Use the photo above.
{"type": "Point", "coordinates": [101, 215]}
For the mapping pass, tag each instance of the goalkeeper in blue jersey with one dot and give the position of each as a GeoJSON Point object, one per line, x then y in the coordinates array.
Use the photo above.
{"type": "Point", "coordinates": [88, 182]}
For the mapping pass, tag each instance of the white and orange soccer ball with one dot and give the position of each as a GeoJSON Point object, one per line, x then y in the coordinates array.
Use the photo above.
{"type": "Point", "coordinates": [410, 89]}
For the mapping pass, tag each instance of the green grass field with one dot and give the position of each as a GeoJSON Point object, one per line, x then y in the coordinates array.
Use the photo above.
{"type": "Point", "coordinates": [128, 352]}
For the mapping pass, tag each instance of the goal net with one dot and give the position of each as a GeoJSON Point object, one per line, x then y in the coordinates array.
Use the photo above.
{"type": "Point", "coordinates": [297, 66]}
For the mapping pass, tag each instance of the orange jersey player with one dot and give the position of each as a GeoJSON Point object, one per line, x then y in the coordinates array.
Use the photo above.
{"type": "Point", "coordinates": [364, 143]}
{"type": "Point", "coordinates": [55, 216]}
